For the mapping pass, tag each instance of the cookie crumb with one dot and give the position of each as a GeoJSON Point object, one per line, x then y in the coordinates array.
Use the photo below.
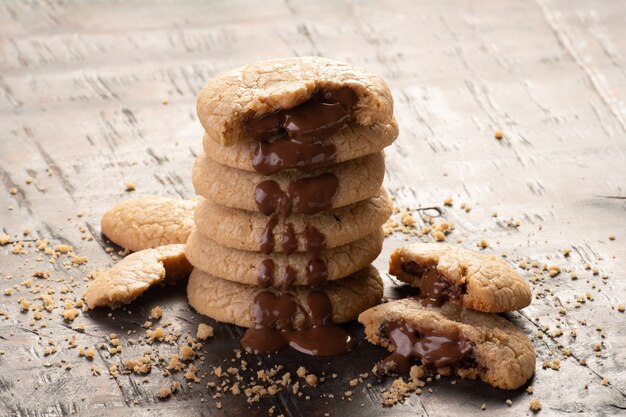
{"type": "Point", "coordinates": [498, 134]}
{"type": "Point", "coordinates": [164, 393]}
{"type": "Point", "coordinates": [130, 186]}
{"type": "Point", "coordinates": [509, 402]}
{"type": "Point", "coordinates": [448, 201]}
{"type": "Point", "coordinates": [611, 237]}
{"type": "Point", "coordinates": [156, 313]}
{"type": "Point", "coordinates": [204, 331]}
{"type": "Point", "coordinates": [4, 239]}
{"type": "Point", "coordinates": [483, 244]}
{"type": "Point", "coordinates": [535, 405]}
{"type": "Point", "coordinates": [620, 308]}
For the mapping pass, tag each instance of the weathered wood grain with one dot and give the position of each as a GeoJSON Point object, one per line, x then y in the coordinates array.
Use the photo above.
{"type": "Point", "coordinates": [82, 86]}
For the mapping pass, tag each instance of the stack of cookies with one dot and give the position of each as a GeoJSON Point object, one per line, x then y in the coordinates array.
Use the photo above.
{"type": "Point", "coordinates": [292, 201]}
{"type": "Point", "coordinates": [450, 326]}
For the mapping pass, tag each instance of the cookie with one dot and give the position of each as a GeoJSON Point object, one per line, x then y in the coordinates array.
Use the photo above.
{"type": "Point", "coordinates": [226, 102]}
{"type": "Point", "coordinates": [232, 302]}
{"type": "Point", "coordinates": [349, 143]}
{"type": "Point", "coordinates": [337, 186]}
{"type": "Point", "coordinates": [451, 339]}
{"type": "Point", "coordinates": [149, 222]}
{"type": "Point", "coordinates": [286, 270]}
{"type": "Point", "coordinates": [244, 230]}
{"type": "Point", "coordinates": [470, 279]}
{"type": "Point", "coordinates": [134, 274]}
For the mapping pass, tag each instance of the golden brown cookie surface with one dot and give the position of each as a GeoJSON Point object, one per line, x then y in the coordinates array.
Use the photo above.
{"type": "Point", "coordinates": [226, 101]}
{"type": "Point", "coordinates": [149, 222]}
{"type": "Point", "coordinates": [244, 230]}
{"type": "Point", "coordinates": [356, 180]}
{"type": "Point", "coordinates": [245, 266]}
{"type": "Point", "coordinates": [492, 348]}
{"type": "Point", "coordinates": [231, 302]}
{"type": "Point", "coordinates": [471, 279]}
{"type": "Point", "coordinates": [349, 143]}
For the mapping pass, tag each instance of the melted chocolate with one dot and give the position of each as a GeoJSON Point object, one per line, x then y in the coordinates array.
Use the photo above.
{"type": "Point", "coordinates": [266, 273]}
{"type": "Point", "coordinates": [308, 195]}
{"type": "Point", "coordinates": [292, 138]}
{"type": "Point", "coordinates": [289, 243]}
{"type": "Point", "coordinates": [273, 328]}
{"type": "Point", "coordinates": [314, 240]}
{"type": "Point", "coordinates": [267, 238]}
{"type": "Point", "coordinates": [288, 278]}
{"type": "Point", "coordinates": [314, 194]}
{"type": "Point", "coordinates": [316, 273]}
{"type": "Point", "coordinates": [271, 199]}
{"type": "Point", "coordinates": [323, 338]}
{"type": "Point", "coordinates": [431, 348]}
{"type": "Point", "coordinates": [435, 289]}
{"type": "Point", "coordinates": [287, 153]}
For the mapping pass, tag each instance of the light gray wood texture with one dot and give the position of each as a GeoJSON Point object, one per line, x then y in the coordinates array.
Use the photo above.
{"type": "Point", "coordinates": [81, 91]}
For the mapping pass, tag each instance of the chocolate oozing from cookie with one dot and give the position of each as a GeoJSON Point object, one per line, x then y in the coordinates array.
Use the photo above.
{"type": "Point", "coordinates": [435, 289]}
{"type": "Point", "coordinates": [273, 329]}
{"type": "Point", "coordinates": [292, 138]}
{"type": "Point", "coordinates": [433, 349]}
{"type": "Point", "coordinates": [308, 196]}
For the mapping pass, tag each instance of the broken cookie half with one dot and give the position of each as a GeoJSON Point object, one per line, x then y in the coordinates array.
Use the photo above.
{"type": "Point", "coordinates": [133, 275]}
{"type": "Point", "coordinates": [470, 279]}
{"type": "Point", "coordinates": [451, 340]}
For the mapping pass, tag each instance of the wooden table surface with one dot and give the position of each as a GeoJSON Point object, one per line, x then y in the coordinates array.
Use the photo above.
{"type": "Point", "coordinates": [94, 94]}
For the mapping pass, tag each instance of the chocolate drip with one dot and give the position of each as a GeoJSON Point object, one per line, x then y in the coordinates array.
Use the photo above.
{"type": "Point", "coordinates": [289, 242]}
{"type": "Point", "coordinates": [314, 240]}
{"type": "Point", "coordinates": [267, 238]}
{"type": "Point", "coordinates": [317, 273]}
{"type": "Point", "coordinates": [287, 153]}
{"type": "Point", "coordinates": [314, 194]}
{"type": "Point", "coordinates": [272, 315]}
{"type": "Point", "coordinates": [308, 195]}
{"type": "Point", "coordinates": [266, 273]}
{"type": "Point", "coordinates": [323, 338]}
{"type": "Point", "coordinates": [434, 349]}
{"type": "Point", "coordinates": [435, 289]}
{"type": "Point", "coordinates": [288, 278]}
{"type": "Point", "coordinates": [291, 138]}
{"type": "Point", "coordinates": [271, 199]}
{"type": "Point", "coordinates": [273, 329]}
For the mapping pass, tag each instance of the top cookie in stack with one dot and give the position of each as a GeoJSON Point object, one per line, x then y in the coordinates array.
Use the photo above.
{"type": "Point", "coordinates": [293, 206]}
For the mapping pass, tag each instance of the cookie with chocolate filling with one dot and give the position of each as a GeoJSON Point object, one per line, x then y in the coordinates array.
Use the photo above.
{"type": "Point", "coordinates": [290, 191]}
{"type": "Point", "coordinates": [232, 302]}
{"type": "Point", "coordinates": [303, 318]}
{"type": "Point", "coordinates": [282, 154]}
{"type": "Point", "coordinates": [452, 340]}
{"type": "Point", "coordinates": [256, 100]}
{"type": "Point", "coordinates": [245, 230]}
{"type": "Point", "coordinates": [470, 279]}
{"type": "Point", "coordinates": [313, 268]}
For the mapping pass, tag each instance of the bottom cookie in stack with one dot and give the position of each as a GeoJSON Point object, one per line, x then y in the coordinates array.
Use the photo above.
{"type": "Point", "coordinates": [304, 318]}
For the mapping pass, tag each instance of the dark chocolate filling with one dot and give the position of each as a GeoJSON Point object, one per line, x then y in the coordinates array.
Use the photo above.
{"type": "Point", "coordinates": [435, 289]}
{"type": "Point", "coordinates": [292, 138]}
{"type": "Point", "coordinates": [273, 329]}
{"type": "Point", "coordinates": [433, 349]}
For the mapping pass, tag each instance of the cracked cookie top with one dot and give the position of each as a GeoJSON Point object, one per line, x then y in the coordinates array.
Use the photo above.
{"type": "Point", "coordinates": [228, 101]}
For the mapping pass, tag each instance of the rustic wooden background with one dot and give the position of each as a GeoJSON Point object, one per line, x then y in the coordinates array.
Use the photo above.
{"type": "Point", "coordinates": [99, 93]}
